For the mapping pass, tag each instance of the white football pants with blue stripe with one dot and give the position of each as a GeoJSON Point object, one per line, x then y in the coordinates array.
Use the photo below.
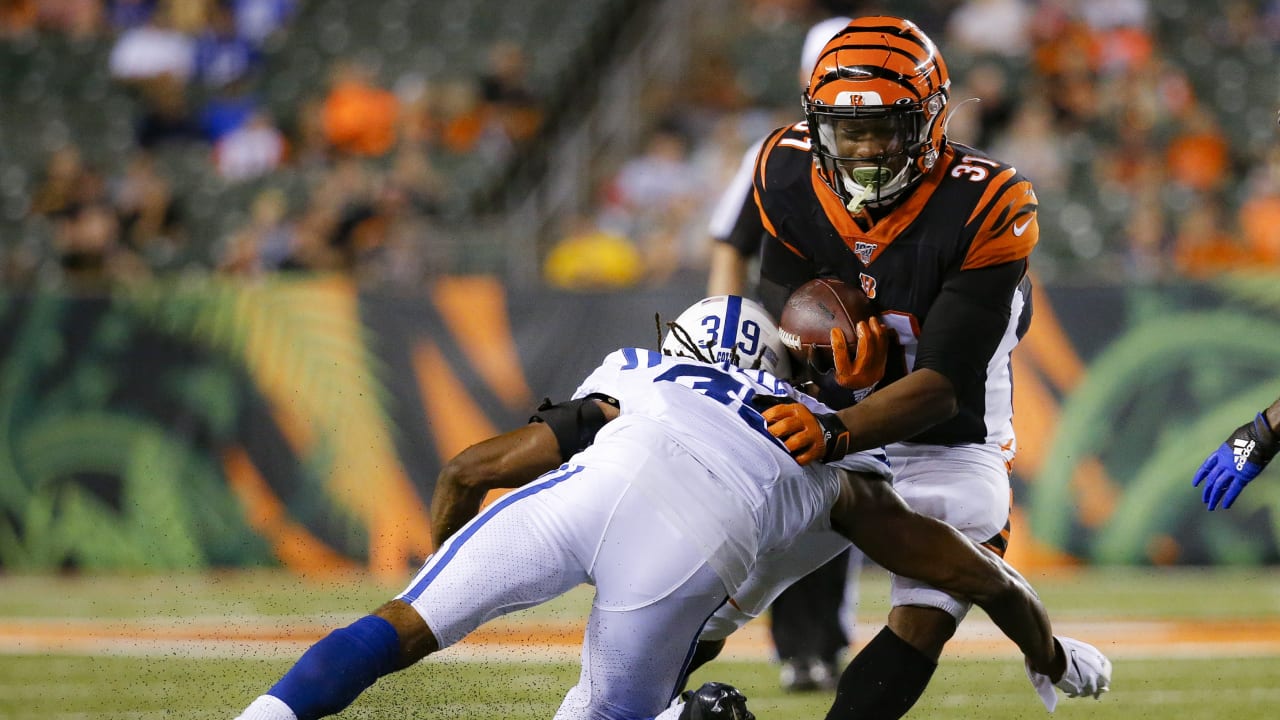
{"type": "Point", "coordinates": [654, 590]}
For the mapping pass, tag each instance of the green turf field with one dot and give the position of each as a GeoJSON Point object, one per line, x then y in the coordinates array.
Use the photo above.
{"type": "Point", "coordinates": [177, 678]}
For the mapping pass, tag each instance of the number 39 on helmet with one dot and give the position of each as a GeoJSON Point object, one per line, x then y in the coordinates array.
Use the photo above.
{"type": "Point", "coordinates": [876, 106]}
{"type": "Point", "coordinates": [732, 329]}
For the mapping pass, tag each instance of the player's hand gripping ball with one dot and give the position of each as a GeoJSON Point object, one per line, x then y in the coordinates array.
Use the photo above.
{"type": "Point", "coordinates": [820, 319]}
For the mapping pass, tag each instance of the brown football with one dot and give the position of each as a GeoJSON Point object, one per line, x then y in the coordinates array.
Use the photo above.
{"type": "Point", "coordinates": [816, 307]}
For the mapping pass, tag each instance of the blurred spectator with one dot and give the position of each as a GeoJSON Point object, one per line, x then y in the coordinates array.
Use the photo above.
{"type": "Point", "coordinates": [307, 140]}
{"type": "Point", "coordinates": [990, 27]}
{"type": "Point", "coordinates": [1033, 146]}
{"type": "Point", "coordinates": [1204, 245]}
{"type": "Point", "coordinates": [77, 19]}
{"type": "Point", "coordinates": [417, 180]}
{"type": "Point", "coordinates": [1260, 213]}
{"type": "Point", "coordinates": [67, 184]}
{"type": "Point", "coordinates": [359, 117]}
{"type": "Point", "coordinates": [266, 240]}
{"type": "Point", "coordinates": [258, 21]}
{"type": "Point", "coordinates": [505, 89]}
{"type": "Point", "coordinates": [229, 108]}
{"type": "Point", "coordinates": [590, 257]}
{"type": "Point", "coordinates": [188, 17]}
{"type": "Point", "coordinates": [152, 50]}
{"type": "Point", "coordinates": [221, 56]}
{"type": "Point", "coordinates": [1148, 252]}
{"type": "Point", "coordinates": [255, 148]}
{"type": "Point", "coordinates": [166, 116]}
{"type": "Point", "coordinates": [18, 18]}
{"type": "Point", "coordinates": [655, 199]}
{"type": "Point", "coordinates": [466, 126]}
{"type": "Point", "coordinates": [89, 254]}
{"type": "Point", "coordinates": [1198, 156]}
{"type": "Point", "coordinates": [990, 115]}
{"type": "Point", "coordinates": [127, 14]}
{"type": "Point", "coordinates": [147, 209]}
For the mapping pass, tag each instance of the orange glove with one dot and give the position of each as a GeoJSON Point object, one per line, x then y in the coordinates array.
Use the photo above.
{"type": "Point", "coordinates": [808, 437]}
{"type": "Point", "coordinates": [866, 368]}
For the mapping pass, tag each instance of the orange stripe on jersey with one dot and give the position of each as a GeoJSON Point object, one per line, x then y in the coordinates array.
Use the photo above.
{"type": "Point", "coordinates": [995, 186]}
{"type": "Point", "coordinates": [889, 227]}
{"type": "Point", "coordinates": [1009, 229]}
{"type": "Point", "coordinates": [762, 165]}
{"type": "Point", "coordinates": [764, 219]}
{"type": "Point", "coordinates": [762, 160]}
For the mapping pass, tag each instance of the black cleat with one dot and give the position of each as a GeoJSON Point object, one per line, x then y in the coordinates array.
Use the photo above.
{"type": "Point", "coordinates": [715, 701]}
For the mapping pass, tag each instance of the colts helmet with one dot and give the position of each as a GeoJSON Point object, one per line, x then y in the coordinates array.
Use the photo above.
{"type": "Point", "coordinates": [732, 329]}
{"type": "Point", "coordinates": [876, 105]}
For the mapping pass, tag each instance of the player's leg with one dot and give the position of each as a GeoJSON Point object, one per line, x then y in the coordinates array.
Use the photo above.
{"type": "Point", "coordinates": [807, 630]}
{"type": "Point", "coordinates": [890, 673]}
{"type": "Point", "coordinates": [654, 592]}
{"type": "Point", "coordinates": [509, 557]}
{"type": "Point", "coordinates": [772, 573]}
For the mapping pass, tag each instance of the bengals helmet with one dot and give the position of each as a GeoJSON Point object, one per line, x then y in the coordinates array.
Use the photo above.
{"type": "Point", "coordinates": [876, 106]}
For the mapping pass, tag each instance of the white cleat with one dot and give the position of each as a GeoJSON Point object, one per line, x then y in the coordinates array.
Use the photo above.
{"type": "Point", "coordinates": [1088, 673]}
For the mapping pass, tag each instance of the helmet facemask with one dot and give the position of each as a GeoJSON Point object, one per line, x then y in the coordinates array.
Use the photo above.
{"type": "Point", "coordinates": [870, 155]}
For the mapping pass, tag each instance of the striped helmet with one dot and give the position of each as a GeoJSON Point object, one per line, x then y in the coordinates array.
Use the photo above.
{"type": "Point", "coordinates": [876, 105]}
{"type": "Point", "coordinates": [732, 329]}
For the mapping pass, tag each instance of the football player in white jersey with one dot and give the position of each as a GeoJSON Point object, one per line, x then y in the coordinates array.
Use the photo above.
{"type": "Point", "coordinates": [867, 513]}
{"type": "Point", "coordinates": [681, 488]}
{"type": "Point", "coordinates": [671, 489]}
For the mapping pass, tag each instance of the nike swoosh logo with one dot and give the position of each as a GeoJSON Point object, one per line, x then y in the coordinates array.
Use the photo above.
{"type": "Point", "coordinates": [1019, 229]}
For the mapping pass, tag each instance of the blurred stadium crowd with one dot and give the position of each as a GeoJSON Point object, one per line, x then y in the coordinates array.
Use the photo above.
{"type": "Point", "coordinates": [143, 138]}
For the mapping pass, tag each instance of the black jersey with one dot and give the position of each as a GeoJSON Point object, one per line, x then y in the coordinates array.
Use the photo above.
{"type": "Point", "coordinates": [945, 266]}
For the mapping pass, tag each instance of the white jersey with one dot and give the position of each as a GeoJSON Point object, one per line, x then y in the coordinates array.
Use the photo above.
{"type": "Point", "coordinates": [753, 496]}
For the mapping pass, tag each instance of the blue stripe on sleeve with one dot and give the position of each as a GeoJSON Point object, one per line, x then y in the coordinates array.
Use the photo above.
{"type": "Point", "coordinates": [451, 547]}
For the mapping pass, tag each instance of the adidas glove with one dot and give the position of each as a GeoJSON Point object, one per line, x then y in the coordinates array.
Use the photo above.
{"type": "Point", "coordinates": [808, 437]}
{"type": "Point", "coordinates": [1229, 469]}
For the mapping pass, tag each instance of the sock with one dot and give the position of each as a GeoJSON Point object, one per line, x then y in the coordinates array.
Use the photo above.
{"type": "Point", "coordinates": [703, 652]}
{"type": "Point", "coordinates": [267, 708]}
{"type": "Point", "coordinates": [334, 671]}
{"type": "Point", "coordinates": [883, 681]}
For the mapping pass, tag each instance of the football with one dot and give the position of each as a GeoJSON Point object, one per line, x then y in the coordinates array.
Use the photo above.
{"type": "Point", "coordinates": [816, 307]}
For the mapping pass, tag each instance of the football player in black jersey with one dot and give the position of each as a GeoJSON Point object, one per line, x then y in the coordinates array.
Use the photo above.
{"type": "Point", "coordinates": [869, 189]}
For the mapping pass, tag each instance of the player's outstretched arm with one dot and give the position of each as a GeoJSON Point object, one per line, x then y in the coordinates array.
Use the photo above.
{"type": "Point", "coordinates": [876, 519]}
{"type": "Point", "coordinates": [1238, 460]}
{"type": "Point", "coordinates": [513, 459]}
{"type": "Point", "coordinates": [506, 461]}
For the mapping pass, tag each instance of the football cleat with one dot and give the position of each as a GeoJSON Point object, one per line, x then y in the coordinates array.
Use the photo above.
{"type": "Point", "coordinates": [1088, 673]}
{"type": "Point", "coordinates": [715, 701]}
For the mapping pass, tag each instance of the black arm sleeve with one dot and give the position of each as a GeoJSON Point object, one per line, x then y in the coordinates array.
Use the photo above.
{"type": "Point", "coordinates": [967, 322]}
{"type": "Point", "coordinates": [574, 422]}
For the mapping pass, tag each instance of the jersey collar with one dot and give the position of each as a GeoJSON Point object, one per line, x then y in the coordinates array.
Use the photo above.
{"type": "Point", "coordinates": [868, 244]}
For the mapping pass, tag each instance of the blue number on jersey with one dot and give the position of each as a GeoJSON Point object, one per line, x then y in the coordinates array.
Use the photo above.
{"type": "Point", "coordinates": [724, 389]}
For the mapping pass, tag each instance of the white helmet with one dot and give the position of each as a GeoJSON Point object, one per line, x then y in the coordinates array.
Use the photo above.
{"type": "Point", "coordinates": [728, 328]}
